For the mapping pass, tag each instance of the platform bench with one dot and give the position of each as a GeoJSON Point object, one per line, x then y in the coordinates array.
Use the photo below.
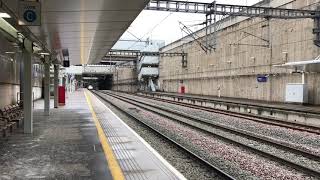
{"type": "Point", "coordinates": [10, 116]}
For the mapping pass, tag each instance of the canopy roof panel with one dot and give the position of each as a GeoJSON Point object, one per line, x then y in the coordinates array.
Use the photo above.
{"type": "Point", "coordinates": [305, 66]}
{"type": "Point", "coordinates": [87, 28]}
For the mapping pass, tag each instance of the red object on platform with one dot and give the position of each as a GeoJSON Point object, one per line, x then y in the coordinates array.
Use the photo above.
{"type": "Point", "coordinates": [182, 89]}
{"type": "Point", "coordinates": [62, 95]}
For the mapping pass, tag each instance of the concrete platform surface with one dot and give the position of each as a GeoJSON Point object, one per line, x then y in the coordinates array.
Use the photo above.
{"type": "Point", "coordinates": [64, 145]}
{"type": "Point", "coordinates": [137, 159]}
{"type": "Point", "coordinates": [68, 145]}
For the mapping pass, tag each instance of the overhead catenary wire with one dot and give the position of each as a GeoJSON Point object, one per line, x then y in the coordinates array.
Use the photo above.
{"type": "Point", "coordinates": [195, 36]}
{"type": "Point", "coordinates": [134, 36]}
{"type": "Point", "coordinates": [151, 30]}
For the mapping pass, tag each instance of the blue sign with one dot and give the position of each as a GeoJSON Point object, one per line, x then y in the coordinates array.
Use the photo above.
{"type": "Point", "coordinates": [262, 78]}
{"type": "Point", "coordinates": [29, 13]}
{"type": "Point", "coordinates": [30, 16]}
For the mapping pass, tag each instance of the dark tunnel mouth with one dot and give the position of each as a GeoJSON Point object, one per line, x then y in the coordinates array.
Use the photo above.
{"type": "Point", "coordinates": [99, 82]}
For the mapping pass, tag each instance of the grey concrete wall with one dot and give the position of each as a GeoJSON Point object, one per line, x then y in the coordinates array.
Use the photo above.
{"type": "Point", "coordinates": [232, 70]}
{"type": "Point", "coordinates": [10, 83]}
{"type": "Point", "coordinates": [10, 75]}
{"type": "Point", "coordinates": [125, 79]}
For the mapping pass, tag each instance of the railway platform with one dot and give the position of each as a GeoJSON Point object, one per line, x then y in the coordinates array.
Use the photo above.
{"type": "Point", "coordinates": [297, 113]}
{"type": "Point", "coordinates": [82, 140]}
{"type": "Point", "coordinates": [252, 102]}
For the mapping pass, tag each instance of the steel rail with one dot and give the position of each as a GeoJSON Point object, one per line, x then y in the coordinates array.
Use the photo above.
{"type": "Point", "coordinates": [218, 170]}
{"type": "Point", "coordinates": [281, 160]}
{"type": "Point", "coordinates": [240, 132]}
{"type": "Point", "coordinates": [250, 117]}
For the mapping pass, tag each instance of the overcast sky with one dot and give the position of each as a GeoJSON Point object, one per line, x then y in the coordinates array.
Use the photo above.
{"type": "Point", "coordinates": [158, 25]}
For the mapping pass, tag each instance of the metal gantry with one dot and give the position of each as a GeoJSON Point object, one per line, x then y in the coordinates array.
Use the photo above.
{"type": "Point", "coordinates": [232, 10]}
{"type": "Point", "coordinates": [178, 6]}
{"type": "Point", "coordinates": [135, 55]}
{"type": "Point", "coordinates": [212, 10]}
{"type": "Point", "coordinates": [263, 12]}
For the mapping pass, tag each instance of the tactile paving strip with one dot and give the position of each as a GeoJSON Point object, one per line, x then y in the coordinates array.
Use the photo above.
{"type": "Point", "coordinates": [135, 159]}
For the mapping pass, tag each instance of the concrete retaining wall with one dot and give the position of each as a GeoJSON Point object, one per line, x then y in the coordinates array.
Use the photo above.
{"type": "Point", "coordinates": [232, 69]}
{"type": "Point", "coordinates": [125, 80]}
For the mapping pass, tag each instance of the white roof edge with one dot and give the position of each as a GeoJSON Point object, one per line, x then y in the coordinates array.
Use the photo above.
{"type": "Point", "coordinates": [299, 63]}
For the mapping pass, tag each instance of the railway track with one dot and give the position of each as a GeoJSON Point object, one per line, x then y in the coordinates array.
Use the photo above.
{"type": "Point", "coordinates": [251, 117]}
{"type": "Point", "coordinates": [220, 172]}
{"type": "Point", "coordinates": [174, 115]}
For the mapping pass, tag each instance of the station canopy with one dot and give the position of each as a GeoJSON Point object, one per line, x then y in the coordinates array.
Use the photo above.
{"type": "Point", "coordinates": [305, 66]}
{"type": "Point", "coordinates": [87, 28]}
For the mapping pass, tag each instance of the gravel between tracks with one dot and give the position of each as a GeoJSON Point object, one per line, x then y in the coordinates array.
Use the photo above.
{"type": "Point", "coordinates": [307, 162]}
{"type": "Point", "coordinates": [239, 162]}
{"type": "Point", "coordinates": [190, 167]}
{"type": "Point", "coordinates": [303, 140]}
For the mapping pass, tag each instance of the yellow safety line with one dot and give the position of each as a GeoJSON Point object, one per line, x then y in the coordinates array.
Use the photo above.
{"type": "Point", "coordinates": [110, 157]}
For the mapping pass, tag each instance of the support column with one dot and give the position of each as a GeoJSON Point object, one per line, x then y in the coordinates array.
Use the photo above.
{"type": "Point", "coordinates": [47, 86]}
{"type": "Point", "coordinates": [56, 84]}
{"type": "Point", "coordinates": [27, 92]}
{"type": "Point", "coordinates": [21, 74]}
{"type": "Point", "coordinates": [303, 77]}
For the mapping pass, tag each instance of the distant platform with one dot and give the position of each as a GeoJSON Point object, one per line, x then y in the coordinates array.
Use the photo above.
{"type": "Point", "coordinates": [275, 105]}
{"type": "Point", "coordinates": [295, 113]}
{"type": "Point", "coordinates": [81, 140]}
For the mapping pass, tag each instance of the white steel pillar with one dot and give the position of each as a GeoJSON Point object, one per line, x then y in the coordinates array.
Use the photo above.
{"type": "Point", "coordinates": [56, 85]}
{"type": "Point", "coordinates": [303, 77]}
{"type": "Point", "coordinates": [47, 86]}
{"type": "Point", "coordinates": [19, 58]}
{"type": "Point", "coordinates": [27, 92]}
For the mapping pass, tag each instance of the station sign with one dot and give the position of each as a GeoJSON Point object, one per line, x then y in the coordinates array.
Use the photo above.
{"type": "Point", "coordinates": [29, 13]}
{"type": "Point", "coordinates": [262, 78]}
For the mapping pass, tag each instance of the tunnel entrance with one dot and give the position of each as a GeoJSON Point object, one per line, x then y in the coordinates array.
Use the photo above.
{"type": "Point", "coordinates": [99, 82]}
{"type": "Point", "coordinates": [105, 83]}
